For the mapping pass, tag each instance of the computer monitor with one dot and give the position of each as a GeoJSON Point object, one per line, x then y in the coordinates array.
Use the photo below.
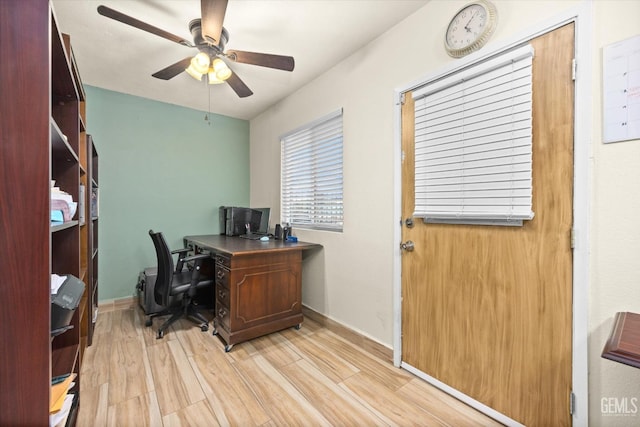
{"type": "Point", "coordinates": [233, 220]}
{"type": "Point", "coordinates": [264, 220]}
{"type": "Point", "coordinates": [254, 218]}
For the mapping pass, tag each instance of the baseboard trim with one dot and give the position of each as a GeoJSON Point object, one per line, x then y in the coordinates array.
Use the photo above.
{"type": "Point", "coordinates": [126, 303]}
{"type": "Point", "coordinates": [367, 344]}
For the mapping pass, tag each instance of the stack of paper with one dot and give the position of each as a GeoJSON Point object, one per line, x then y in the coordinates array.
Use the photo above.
{"type": "Point", "coordinates": [61, 400]}
{"type": "Point", "coordinates": [56, 282]}
{"type": "Point", "coordinates": [62, 205]}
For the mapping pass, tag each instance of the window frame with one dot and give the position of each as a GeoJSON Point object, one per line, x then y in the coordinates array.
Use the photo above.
{"type": "Point", "coordinates": [312, 191]}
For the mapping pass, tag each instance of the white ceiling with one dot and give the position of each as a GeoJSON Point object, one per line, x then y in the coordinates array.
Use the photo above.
{"type": "Point", "coordinates": [317, 33]}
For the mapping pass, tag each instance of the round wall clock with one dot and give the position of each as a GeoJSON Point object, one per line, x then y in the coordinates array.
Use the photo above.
{"type": "Point", "coordinates": [470, 28]}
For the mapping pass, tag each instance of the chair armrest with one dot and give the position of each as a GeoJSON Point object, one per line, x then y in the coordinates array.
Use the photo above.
{"type": "Point", "coordinates": [196, 257]}
{"type": "Point", "coordinates": [197, 261]}
{"type": "Point", "coordinates": [181, 253]}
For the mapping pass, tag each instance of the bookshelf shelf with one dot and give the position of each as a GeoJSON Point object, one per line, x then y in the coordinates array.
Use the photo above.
{"type": "Point", "coordinates": [63, 359]}
{"type": "Point", "coordinates": [63, 226]}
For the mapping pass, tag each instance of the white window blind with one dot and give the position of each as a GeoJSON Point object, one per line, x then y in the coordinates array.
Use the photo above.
{"type": "Point", "coordinates": [473, 149]}
{"type": "Point", "coordinates": [311, 180]}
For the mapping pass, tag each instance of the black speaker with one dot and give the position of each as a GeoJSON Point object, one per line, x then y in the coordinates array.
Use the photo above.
{"type": "Point", "coordinates": [278, 232]}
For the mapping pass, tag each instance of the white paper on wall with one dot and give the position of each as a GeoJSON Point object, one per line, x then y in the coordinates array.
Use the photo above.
{"type": "Point", "coordinates": [621, 90]}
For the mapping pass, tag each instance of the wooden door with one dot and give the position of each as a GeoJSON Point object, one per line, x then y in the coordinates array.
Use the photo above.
{"type": "Point", "coordinates": [487, 310]}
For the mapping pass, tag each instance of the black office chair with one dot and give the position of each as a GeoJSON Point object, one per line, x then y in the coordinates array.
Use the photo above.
{"type": "Point", "coordinates": [184, 280]}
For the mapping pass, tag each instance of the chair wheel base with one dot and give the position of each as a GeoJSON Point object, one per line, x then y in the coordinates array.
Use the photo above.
{"type": "Point", "coordinates": [160, 334]}
{"type": "Point", "coordinates": [205, 327]}
{"type": "Point", "coordinates": [228, 347]}
{"type": "Point", "coordinates": [148, 323]}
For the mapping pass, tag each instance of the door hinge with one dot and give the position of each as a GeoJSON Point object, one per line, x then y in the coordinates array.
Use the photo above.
{"type": "Point", "coordinates": [572, 403]}
{"type": "Point", "coordinates": [573, 238]}
{"type": "Point", "coordinates": [402, 98]}
{"type": "Point", "coordinates": [574, 69]}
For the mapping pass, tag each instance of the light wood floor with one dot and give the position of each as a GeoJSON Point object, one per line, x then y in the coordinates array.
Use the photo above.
{"type": "Point", "coordinates": [300, 377]}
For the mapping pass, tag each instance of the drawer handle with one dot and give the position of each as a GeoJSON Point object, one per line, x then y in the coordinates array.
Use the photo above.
{"type": "Point", "coordinates": [222, 294]}
{"type": "Point", "coordinates": [220, 274]}
{"type": "Point", "coordinates": [222, 312]}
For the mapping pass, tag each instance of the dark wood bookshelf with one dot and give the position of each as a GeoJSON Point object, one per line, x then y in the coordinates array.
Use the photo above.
{"type": "Point", "coordinates": [25, 361]}
{"type": "Point", "coordinates": [42, 133]}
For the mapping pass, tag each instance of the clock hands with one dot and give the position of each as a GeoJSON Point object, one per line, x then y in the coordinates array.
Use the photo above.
{"type": "Point", "coordinates": [466, 27]}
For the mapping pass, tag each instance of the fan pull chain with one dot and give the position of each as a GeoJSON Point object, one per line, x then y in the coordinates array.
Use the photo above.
{"type": "Point", "coordinates": [206, 116]}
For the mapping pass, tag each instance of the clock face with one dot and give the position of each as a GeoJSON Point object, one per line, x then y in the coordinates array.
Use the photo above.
{"type": "Point", "coordinates": [470, 28]}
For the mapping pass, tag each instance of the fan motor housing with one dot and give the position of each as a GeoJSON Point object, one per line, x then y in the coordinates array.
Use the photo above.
{"type": "Point", "coordinates": [195, 27]}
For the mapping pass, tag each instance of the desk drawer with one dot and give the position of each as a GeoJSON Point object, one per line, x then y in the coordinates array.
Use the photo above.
{"type": "Point", "coordinates": [222, 276]}
{"type": "Point", "coordinates": [222, 296]}
{"type": "Point", "coordinates": [223, 260]}
{"type": "Point", "coordinates": [222, 315]}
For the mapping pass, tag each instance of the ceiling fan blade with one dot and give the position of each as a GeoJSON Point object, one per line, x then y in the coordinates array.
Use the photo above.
{"type": "Point", "coordinates": [279, 62]}
{"type": "Point", "coordinates": [125, 19]}
{"type": "Point", "coordinates": [172, 70]}
{"type": "Point", "coordinates": [213, 12]}
{"type": "Point", "coordinates": [238, 86]}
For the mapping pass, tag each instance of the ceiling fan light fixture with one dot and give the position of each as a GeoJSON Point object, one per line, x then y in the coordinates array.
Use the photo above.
{"type": "Point", "coordinates": [213, 79]}
{"type": "Point", "coordinates": [223, 72]}
{"type": "Point", "coordinates": [193, 73]}
{"type": "Point", "coordinates": [201, 62]}
{"type": "Point", "coordinates": [199, 66]}
{"type": "Point", "coordinates": [210, 38]}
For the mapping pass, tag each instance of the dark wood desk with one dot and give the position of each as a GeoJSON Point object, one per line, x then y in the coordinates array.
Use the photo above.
{"type": "Point", "coordinates": [258, 285]}
{"type": "Point", "coordinates": [623, 344]}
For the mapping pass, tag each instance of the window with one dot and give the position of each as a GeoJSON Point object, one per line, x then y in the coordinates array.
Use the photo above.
{"type": "Point", "coordinates": [473, 136]}
{"type": "Point", "coordinates": [311, 180]}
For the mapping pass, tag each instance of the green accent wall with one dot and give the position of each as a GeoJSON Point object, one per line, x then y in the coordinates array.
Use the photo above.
{"type": "Point", "coordinates": [162, 167]}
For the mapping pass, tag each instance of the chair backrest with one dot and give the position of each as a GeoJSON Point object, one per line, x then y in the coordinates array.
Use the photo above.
{"type": "Point", "coordinates": [165, 269]}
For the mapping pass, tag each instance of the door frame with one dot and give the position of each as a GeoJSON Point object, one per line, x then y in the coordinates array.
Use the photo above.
{"type": "Point", "coordinates": [581, 15]}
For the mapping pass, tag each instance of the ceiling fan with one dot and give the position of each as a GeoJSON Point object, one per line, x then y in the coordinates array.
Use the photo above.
{"type": "Point", "coordinates": [210, 38]}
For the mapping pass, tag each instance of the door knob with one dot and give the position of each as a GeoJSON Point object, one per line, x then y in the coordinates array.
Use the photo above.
{"type": "Point", "coordinates": [407, 246]}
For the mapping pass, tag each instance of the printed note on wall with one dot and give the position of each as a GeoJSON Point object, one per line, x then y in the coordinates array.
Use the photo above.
{"type": "Point", "coordinates": [621, 90]}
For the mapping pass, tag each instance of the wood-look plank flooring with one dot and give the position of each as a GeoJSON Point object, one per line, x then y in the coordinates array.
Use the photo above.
{"type": "Point", "coordinates": [294, 377]}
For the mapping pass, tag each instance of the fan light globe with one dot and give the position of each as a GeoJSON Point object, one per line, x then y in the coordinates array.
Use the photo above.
{"type": "Point", "coordinates": [193, 73]}
{"type": "Point", "coordinates": [201, 62]}
{"type": "Point", "coordinates": [219, 72]}
{"type": "Point", "coordinates": [222, 71]}
{"type": "Point", "coordinates": [213, 80]}
{"type": "Point", "coordinates": [199, 65]}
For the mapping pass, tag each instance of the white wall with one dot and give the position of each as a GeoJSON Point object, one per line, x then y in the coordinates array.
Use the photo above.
{"type": "Point", "coordinates": [615, 230]}
{"type": "Point", "coordinates": [351, 280]}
